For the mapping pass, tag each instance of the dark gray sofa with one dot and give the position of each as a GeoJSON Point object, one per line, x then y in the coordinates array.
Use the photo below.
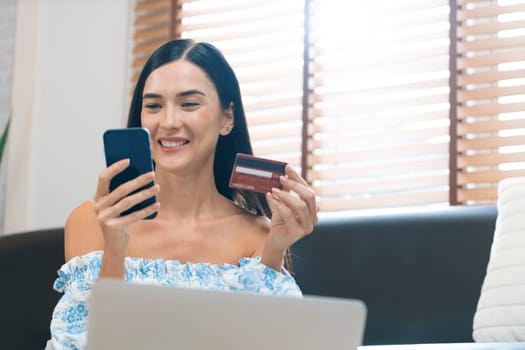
{"type": "Point", "coordinates": [420, 274]}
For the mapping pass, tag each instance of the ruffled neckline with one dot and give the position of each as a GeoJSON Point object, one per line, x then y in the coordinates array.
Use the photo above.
{"type": "Point", "coordinates": [174, 262]}
{"type": "Point", "coordinates": [83, 271]}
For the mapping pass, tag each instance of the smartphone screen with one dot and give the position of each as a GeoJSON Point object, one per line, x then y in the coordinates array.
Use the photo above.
{"type": "Point", "coordinates": [134, 144]}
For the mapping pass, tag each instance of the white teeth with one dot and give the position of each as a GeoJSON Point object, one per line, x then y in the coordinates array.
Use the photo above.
{"type": "Point", "coordinates": [172, 143]}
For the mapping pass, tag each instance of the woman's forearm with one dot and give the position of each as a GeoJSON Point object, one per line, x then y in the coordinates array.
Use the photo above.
{"type": "Point", "coordinates": [273, 258]}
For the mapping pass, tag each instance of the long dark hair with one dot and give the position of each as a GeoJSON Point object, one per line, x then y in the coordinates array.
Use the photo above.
{"type": "Point", "coordinates": [220, 73]}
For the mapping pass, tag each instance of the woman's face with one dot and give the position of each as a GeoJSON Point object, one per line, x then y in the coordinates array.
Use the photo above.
{"type": "Point", "coordinates": [182, 112]}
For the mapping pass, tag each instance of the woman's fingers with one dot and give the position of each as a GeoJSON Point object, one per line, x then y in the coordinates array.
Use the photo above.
{"type": "Point", "coordinates": [286, 216]}
{"type": "Point", "coordinates": [306, 194]}
{"type": "Point", "coordinates": [121, 192]}
{"type": "Point", "coordinates": [295, 183]}
{"type": "Point", "coordinates": [107, 174]}
{"type": "Point", "coordinates": [130, 201]}
{"type": "Point", "coordinates": [117, 220]}
{"type": "Point", "coordinates": [131, 186]}
{"type": "Point", "coordinates": [110, 205]}
{"type": "Point", "coordinates": [111, 214]}
{"type": "Point", "coordinates": [294, 210]}
{"type": "Point", "coordinates": [294, 175]}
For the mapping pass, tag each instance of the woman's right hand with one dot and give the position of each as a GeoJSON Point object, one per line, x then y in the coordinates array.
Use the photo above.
{"type": "Point", "coordinates": [109, 205]}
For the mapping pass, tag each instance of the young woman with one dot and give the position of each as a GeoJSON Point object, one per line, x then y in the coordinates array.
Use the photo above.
{"type": "Point", "coordinates": [205, 234]}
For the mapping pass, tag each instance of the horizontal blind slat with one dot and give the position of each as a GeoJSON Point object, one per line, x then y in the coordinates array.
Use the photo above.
{"type": "Point", "coordinates": [277, 130]}
{"type": "Point", "coordinates": [276, 147]}
{"type": "Point", "coordinates": [155, 18]}
{"type": "Point", "coordinates": [271, 116]}
{"type": "Point", "coordinates": [398, 184]}
{"type": "Point", "coordinates": [490, 76]}
{"type": "Point", "coordinates": [478, 194]}
{"type": "Point", "coordinates": [271, 103]}
{"type": "Point", "coordinates": [251, 18]}
{"type": "Point", "coordinates": [491, 44]}
{"type": "Point", "coordinates": [371, 138]}
{"type": "Point", "coordinates": [489, 11]}
{"type": "Point", "coordinates": [493, 176]}
{"type": "Point", "coordinates": [373, 57]}
{"type": "Point", "coordinates": [490, 109]}
{"type": "Point", "coordinates": [213, 7]}
{"type": "Point", "coordinates": [381, 168]}
{"type": "Point", "coordinates": [232, 32]}
{"type": "Point", "coordinates": [385, 201]}
{"type": "Point", "coordinates": [382, 151]}
{"type": "Point", "coordinates": [490, 28]}
{"type": "Point", "coordinates": [361, 89]}
{"type": "Point", "coordinates": [490, 93]}
{"type": "Point", "coordinates": [328, 124]}
{"type": "Point", "coordinates": [490, 126]}
{"type": "Point", "coordinates": [148, 47]}
{"type": "Point", "coordinates": [511, 54]}
{"type": "Point", "coordinates": [490, 142]}
{"type": "Point", "coordinates": [493, 159]}
{"type": "Point", "coordinates": [152, 5]}
{"type": "Point", "coordinates": [152, 33]}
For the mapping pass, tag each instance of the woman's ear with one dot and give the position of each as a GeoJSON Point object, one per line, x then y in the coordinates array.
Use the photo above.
{"type": "Point", "coordinates": [228, 120]}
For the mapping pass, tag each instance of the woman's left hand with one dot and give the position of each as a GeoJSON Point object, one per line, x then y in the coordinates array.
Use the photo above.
{"type": "Point", "coordinates": [294, 214]}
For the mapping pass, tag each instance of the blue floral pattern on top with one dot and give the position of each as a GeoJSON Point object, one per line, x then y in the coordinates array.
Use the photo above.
{"type": "Point", "coordinates": [77, 277]}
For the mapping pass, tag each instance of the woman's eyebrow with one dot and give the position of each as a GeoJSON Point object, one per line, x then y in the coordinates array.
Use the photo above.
{"type": "Point", "coordinates": [151, 95]}
{"type": "Point", "coordinates": [180, 94]}
{"type": "Point", "coordinates": [190, 92]}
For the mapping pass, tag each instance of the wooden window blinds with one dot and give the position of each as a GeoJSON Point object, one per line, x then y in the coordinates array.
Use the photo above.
{"type": "Point", "coordinates": [399, 103]}
{"type": "Point", "coordinates": [490, 97]}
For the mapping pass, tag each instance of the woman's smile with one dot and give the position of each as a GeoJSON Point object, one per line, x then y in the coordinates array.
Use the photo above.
{"type": "Point", "coordinates": [172, 144]}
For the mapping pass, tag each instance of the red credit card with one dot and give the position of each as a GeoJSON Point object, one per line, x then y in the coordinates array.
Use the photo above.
{"type": "Point", "coordinates": [256, 174]}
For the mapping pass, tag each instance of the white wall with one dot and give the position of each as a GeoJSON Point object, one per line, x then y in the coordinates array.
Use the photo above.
{"type": "Point", "coordinates": [69, 85]}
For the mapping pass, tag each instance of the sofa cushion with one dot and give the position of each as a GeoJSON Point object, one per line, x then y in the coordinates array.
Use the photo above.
{"type": "Point", "coordinates": [500, 314]}
{"type": "Point", "coordinates": [28, 267]}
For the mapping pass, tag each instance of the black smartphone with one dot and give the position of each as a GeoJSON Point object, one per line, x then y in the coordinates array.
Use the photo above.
{"type": "Point", "coordinates": [134, 144]}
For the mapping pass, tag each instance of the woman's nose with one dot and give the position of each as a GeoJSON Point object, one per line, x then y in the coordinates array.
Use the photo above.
{"type": "Point", "coordinates": [171, 119]}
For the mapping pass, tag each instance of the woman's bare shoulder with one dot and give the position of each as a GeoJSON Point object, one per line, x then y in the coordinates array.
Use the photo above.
{"type": "Point", "coordinates": [255, 229]}
{"type": "Point", "coordinates": [82, 233]}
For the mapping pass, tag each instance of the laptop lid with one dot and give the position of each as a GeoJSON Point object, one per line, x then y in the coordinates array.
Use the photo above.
{"type": "Point", "coordinates": [135, 316]}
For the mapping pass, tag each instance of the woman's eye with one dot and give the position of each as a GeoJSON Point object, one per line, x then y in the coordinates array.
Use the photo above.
{"type": "Point", "coordinates": [152, 106]}
{"type": "Point", "coordinates": [190, 105]}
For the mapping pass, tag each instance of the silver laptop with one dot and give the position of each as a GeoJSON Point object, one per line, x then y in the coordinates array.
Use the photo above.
{"type": "Point", "coordinates": [134, 316]}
